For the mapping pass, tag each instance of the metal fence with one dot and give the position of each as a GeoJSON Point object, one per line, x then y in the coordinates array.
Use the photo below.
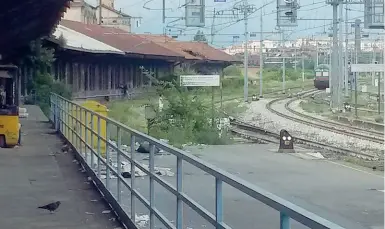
{"type": "Point", "coordinates": [77, 125]}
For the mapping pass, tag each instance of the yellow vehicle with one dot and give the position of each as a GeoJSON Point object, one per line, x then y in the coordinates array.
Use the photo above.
{"type": "Point", "coordinates": [9, 107]}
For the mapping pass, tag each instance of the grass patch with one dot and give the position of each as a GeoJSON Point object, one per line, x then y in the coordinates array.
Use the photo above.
{"type": "Point", "coordinates": [312, 106]}
{"type": "Point", "coordinates": [234, 107]}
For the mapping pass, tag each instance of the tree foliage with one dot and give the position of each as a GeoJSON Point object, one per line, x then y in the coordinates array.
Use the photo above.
{"type": "Point", "coordinates": [200, 37]}
{"type": "Point", "coordinates": [40, 59]}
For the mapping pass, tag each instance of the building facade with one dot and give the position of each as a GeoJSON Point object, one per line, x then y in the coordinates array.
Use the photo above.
{"type": "Point", "coordinates": [83, 12]}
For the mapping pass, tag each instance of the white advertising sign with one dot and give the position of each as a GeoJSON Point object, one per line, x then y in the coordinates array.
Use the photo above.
{"type": "Point", "coordinates": [200, 80]}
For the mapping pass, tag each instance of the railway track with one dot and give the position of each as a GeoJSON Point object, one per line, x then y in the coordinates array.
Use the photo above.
{"type": "Point", "coordinates": [256, 133]}
{"type": "Point", "coordinates": [370, 135]}
{"type": "Point", "coordinates": [253, 132]}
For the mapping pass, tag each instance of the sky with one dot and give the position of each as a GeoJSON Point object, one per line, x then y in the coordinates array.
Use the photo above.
{"type": "Point", "coordinates": [226, 27]}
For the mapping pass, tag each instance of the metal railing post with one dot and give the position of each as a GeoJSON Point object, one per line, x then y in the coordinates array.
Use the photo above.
{"type": "Point", "coordinates": [179, 189]}
{"type": "Point", "coordinates": [98, 149]}
{"type": "Point", "coordinates": [86, 136]}
{"type": "Point", "coordinates": [77, 128]}
{"type": "Point", "coordinates": [284, 221]}
{"type": "Point", "coordinates": [59, 116]}
{"type": "Point", "coordinates": [152, 186]}
{"type": "Point", "coordinates": [218, 202]}
{"type": "Point", "coordinates": [55, 111]}
{"type": "Point", "coordinates": [92, 142]}
{"type": "Point", "coordinates": [107, 150]}
{"type": "Point", "coordinates": [119, 163]}
{"type": "Point", "coordinates": [67, 120]}
{"type": "Point", "coordinates": [72, 124]}
{"type": "Point", "coordinates": [132, 146]}
{"type": "Point", "coordinates": [81, 131]}
{"type": "Point", "coordinates": [51, 108]}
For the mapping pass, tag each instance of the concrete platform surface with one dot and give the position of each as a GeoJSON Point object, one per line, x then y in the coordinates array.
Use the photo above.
{"type": "Point", "coordinates": [31, 177]}
{"type": "Point", "coordinates": [345, 194]}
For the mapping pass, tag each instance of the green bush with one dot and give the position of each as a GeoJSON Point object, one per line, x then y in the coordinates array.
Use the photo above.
{"type": "Point", "coordinates": [40, 59]}
{"type": "Point", "coordinates": [43, 86]}
{"type": "Point", "coordinates": [232, 82]}
{"type": "Point", "coordinates": [185, 118]}
{"type": "Point", "coordinates": [232, 70]}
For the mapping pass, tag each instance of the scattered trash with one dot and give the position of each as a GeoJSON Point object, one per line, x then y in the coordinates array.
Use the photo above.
{"type": "Point", "coordinates": [89, 178]}
{"type": "Point", "coordinates": [113, 219]}
{"type": "Point", "coordinates": [317, 155]}
{"type": "Point", "coordinates": [106, 212]}
{"type": "Point", "coordinates": [144, 147]}
{"type": "Point", "coordinates": [142, 220]}
{"type": "Point", "coordinates": [94, 200]}
{"type": "Point", "coordinates": [90, 213]}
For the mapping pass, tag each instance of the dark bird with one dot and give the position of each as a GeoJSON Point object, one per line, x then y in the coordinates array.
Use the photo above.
{"type": "Point", "coordinates": [51, 207]}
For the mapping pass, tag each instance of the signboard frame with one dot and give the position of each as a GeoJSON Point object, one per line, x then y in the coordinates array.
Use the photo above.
{"type": "Point", "coordinates": [367, 67]}
{"type": "Point", "coordinates": [193, 20]}
{"type": "Point", "coordinates": [374, 14]}
{"type": "Point", "coordinates": [200, 80]}
{"type": "Point", "coordinates": [283, 7]}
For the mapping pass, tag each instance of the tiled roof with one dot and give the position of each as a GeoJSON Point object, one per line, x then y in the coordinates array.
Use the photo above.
{"type": "Point", "coordinates": [191, 50]}
{"type": "Point", "coordinates": [147, 44]}
{"type": "Point", "coordinates": [120, 39]}
{"type": "Point", "coordinates": [80, 42]}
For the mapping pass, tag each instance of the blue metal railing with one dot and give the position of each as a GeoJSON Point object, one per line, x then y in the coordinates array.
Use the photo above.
{"type": "Point", "coordinates": [76, 124]}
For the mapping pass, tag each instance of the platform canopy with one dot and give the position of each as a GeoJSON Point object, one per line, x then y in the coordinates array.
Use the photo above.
{"type": "Point", "coordinates": [22, 21]}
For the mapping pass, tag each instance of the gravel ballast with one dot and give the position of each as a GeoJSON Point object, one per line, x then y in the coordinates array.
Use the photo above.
{"type": "Point", "coordinates": [258, 115]}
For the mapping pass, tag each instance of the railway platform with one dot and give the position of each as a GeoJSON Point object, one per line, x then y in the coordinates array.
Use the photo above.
{"type": "Point", "coordinates": [31, 177]}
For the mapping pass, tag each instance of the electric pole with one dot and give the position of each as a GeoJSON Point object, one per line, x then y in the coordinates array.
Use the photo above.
{"type": "Point", "coordinates": [357, 47]}
{"type": "Point", "coordinates": [346, 75]}
{"type": "Point", "coordinates": [246, 9]}
{"type": "Point", "coordinates": [303, 72]}
{"type": "Point", "coordinates": [341, 60]}
{"type": "Point", "coordinates": [317, 58]}
{"type": "Point", "coordinates": [100, 12]}
{"type": "Point", "coordinates": [334, 62]}
{"type": "Point", "coordinates": [246, 52]}
{"type": "Point", "coordinates": [283, 63]}
{"type": "Point", "coordinates": [261, 58]}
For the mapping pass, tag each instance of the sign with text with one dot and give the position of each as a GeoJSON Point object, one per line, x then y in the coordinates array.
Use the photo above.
{"type": "Point", "coordinates": [200, 80]}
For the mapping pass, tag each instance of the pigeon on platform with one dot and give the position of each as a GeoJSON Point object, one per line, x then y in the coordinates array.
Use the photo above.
{"type": "Point", "coordinates": [51, 207]}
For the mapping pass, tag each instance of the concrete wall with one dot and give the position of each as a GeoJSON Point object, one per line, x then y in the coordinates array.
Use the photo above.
{"type": "Point", "coordinates": [74, 14]}
{"type": "Point", "coordinates": [116, 20]}
{"type": "Point", "coordinates": [81, 12]}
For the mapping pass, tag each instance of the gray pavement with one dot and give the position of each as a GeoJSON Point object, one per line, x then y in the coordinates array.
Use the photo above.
{"type": "Point", "coordinates": [30, 177]}
{"type": "Point", "coordinates": [342, 193]}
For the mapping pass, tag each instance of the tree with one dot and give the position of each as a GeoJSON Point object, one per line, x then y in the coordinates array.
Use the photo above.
{"type": "Point", "coordinates": [200, 37]}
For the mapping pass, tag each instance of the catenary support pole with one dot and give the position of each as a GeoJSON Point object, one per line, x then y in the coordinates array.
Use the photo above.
{"type": "Point", "coordinates": [246, 56]}
{"type": "Point", "coordinates": [346, 75]}
{"type": "Point", "coordinates": [261, 58]}
{"type": "Point", "coordinates": [334, 61]}
{"type": "Point", "coordinates": [340, 59]}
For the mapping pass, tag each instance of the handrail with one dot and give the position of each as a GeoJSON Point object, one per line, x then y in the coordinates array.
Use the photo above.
{"type": "Point", "coordinates": [72, 126]}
